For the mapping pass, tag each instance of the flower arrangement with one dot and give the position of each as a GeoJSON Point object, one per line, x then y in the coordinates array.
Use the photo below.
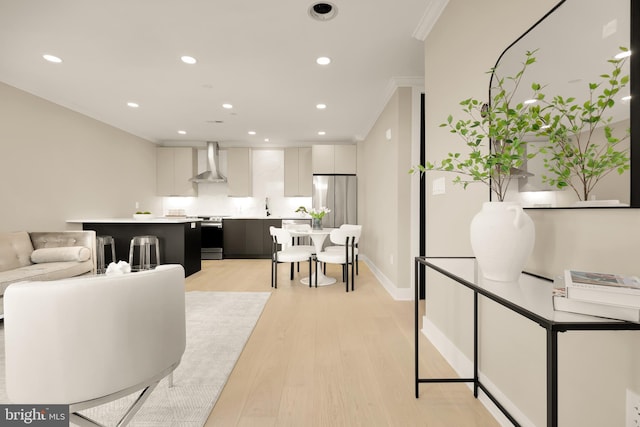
{"type": "Point", "coordinates": [314, 213]}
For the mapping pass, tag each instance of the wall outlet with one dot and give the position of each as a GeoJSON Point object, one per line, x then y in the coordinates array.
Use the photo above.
{"type": "Point", "coordinates": [137, 205]}
{"type": "Point", "coordinates": [391, 262]}
{"type": "Point", "coordinates": [633, 409]}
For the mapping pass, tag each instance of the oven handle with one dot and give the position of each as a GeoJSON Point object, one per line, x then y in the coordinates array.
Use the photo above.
{"type": "Point", "coordinates": [211, 224]}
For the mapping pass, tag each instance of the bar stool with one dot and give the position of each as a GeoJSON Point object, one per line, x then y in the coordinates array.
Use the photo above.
{"type": "Point", "coordinates": [101, 242]}
{"type": "Point", "coordinates": [143, 244]}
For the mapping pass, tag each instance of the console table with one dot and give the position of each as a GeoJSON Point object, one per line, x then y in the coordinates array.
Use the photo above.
{"type": "Point", "coordinates": [530, 297]}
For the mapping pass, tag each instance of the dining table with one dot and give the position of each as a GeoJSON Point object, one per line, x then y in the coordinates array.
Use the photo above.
{"type": "Point", "coordinates": [318, 237]}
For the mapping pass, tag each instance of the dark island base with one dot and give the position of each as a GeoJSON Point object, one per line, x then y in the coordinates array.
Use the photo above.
{"type": "Point", "coordinates": [179, 242]}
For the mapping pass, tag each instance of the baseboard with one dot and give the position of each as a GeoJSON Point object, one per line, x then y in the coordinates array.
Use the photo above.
{"type": "Point", "coordinates": [464, 368]}
{"type": "Point", "coordinates": [398, 294]}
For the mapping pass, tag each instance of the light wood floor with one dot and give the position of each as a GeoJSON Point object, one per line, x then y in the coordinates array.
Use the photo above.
{"type": "Point", "coordinates": [322, 357]}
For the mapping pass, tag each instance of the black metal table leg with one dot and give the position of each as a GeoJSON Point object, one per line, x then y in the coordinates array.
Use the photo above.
{"type": "Point", "coordinates": [552, 377]}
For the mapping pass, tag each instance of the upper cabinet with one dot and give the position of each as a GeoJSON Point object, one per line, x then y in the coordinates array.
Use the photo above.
{"type": "Point", "coordinates": [174, 167]}
{"type": "Point", "coordinates": [298, 173]}
{"type": "Point", "coordinates": [334, 159]}
{"type": "Point", "coordinates": [239, 172]}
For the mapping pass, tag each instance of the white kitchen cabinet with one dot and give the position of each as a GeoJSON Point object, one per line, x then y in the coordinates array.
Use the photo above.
{"type": "Point", "coordinates": [239, 172]}
{"type": "Point", "coordinates": [298, 173]}
{"type": "Point", "coordinates": [345, 159]}
{"type": "Point", "coordinates": [340, 159]}
{"type": "Point", "coordinates": [174, 167]}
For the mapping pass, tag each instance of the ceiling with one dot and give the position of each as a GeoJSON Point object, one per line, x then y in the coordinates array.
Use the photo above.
{"type": "Point", "coordinates": [259, 56]}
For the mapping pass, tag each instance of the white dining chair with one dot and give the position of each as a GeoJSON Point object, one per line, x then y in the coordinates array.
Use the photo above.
{"type": "Point", "coordinates": [347, 238]}
{"type": "Point", "coordinates": [299, 238]}
{"type": "Point", "coordinates": [340, 246]}
{"type": "Point", "coordinates": [282, 250]}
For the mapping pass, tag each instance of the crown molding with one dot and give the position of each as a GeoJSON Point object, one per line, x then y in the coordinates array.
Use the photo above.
{"type": "Point", "coordinates": [429, 19]}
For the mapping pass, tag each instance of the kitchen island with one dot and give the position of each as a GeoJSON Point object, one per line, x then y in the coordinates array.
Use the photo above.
{"type": "Point", "coordinates": [179, 237]}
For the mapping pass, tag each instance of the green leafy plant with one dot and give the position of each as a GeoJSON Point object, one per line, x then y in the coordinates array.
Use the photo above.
{"type": "Point", "coordinates": [494, 134]}
{"type": "Point", "coordinates": [576, 159]}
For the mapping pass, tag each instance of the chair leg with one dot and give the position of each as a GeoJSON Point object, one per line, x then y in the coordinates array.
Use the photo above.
{"type": "Point", "coordinates": [316, 275]}
{"type": "Point", "coordinates": [353, 278]}
{"type": "Point", "coordinates": [292, 266]}
{"type": "Point", "coordinates": [357, 265]}
{"type": "Point", "coordinates": [345, 273]}
{"type": "Point", "coordinates": [275, 275]}
{"type": "Point", "coordinates": [310, 272]}
{"type": "Point", "coordinates": [272, 272]}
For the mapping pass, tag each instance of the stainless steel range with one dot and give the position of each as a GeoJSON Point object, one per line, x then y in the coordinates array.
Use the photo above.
{"type": "Point", "coordinates": [211, 233]}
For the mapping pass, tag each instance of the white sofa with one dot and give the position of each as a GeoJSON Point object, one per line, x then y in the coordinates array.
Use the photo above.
{"type": "Point", "coordinates": [87, 340]}
{"type": "Point", "coordinates": [45, 256]}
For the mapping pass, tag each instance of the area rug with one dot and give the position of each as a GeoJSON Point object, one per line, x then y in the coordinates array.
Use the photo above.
{"type": "Point", "coordinates": [218, 327]}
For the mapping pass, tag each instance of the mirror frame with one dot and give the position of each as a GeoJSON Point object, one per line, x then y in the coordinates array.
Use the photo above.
{"type": "Point", "coordinates": [634, 111]}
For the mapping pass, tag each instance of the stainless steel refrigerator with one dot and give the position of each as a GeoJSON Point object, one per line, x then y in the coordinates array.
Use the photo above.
{"type": "Point", "coordinates": [338, 193]}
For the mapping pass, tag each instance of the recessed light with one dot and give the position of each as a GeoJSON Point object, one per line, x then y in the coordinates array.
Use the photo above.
{"type": "Point", "coordinates": [133, 104]}
{"type": "Point", "coordinates": [52, 58]}
{"type": "Point", "coordinates": [322, 132]}
{"type": "Point", "coordinates": [266, 140]}
{"type": "Point", "coordinates": [323, 60]}
{"type": "Point", "coordinates": [188, 59]}
{"type": "Point", "coordinates": [227, 106]}
{"type": "Point", "coordinates": [252, 132]}
{"type": "Point", "coordinates": [321, 106]}
{"type": "Point", "coordinates": [182, 132]}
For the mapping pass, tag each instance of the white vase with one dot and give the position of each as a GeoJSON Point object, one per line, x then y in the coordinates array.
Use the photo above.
{"type": "Point", "coordinates": [502, 238]}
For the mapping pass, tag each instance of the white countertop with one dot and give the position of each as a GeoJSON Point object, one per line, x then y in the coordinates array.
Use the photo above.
{"type": "Point", "coordinates": [264, 217]}
{"type": "Point", "coordinates": [159, 220]}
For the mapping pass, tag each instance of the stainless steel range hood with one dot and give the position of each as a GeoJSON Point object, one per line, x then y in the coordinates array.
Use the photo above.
{"type": "Point", "coordinates": [212, 174]}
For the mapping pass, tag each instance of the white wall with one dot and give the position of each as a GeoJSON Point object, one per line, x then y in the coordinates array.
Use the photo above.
{"type": "Point", "coordinates": [596, 368]}
{"type": "Point", "coordinates": [56, 165]}
{"type": "Point", "coordinates": [384, 192]}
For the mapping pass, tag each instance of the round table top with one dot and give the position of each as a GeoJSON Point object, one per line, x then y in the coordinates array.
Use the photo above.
{"type": "Point", "coordinates": [310, 231]}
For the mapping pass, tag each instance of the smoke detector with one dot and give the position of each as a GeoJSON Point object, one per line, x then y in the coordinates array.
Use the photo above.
{"type": "Point", "coordinates": [323, 11]}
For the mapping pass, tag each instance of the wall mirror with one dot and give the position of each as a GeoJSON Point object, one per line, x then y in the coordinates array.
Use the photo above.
{"type": "Point", "coordinates": [573, 43]}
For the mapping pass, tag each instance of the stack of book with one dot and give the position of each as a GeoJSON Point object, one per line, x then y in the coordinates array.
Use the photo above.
{"type": "Point", "coordinates": [613, 296]}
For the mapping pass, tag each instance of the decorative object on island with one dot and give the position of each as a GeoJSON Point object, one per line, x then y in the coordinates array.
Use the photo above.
{"type": "Point", "coordinates": [582, 149]}
{"type": "Point", "coordinates": [141, 216]}
{"type": "Point", "coordinates": [502, 235]}
{"type": "Point", "coordinates": [316, 215]}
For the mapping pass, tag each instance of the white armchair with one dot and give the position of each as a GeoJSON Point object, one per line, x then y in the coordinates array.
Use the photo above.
{"type": "Point", "coordinates": [89, 340]}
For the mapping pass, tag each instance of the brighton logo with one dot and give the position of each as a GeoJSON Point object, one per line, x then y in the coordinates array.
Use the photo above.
{"type": "Point", "coordinates": [34, 415]}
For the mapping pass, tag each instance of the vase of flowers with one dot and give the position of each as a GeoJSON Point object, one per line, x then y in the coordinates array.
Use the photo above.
{"type": "Point", "coordinates": [502, 235]}
{"type": "Point", "coordinates": [316, 215]}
